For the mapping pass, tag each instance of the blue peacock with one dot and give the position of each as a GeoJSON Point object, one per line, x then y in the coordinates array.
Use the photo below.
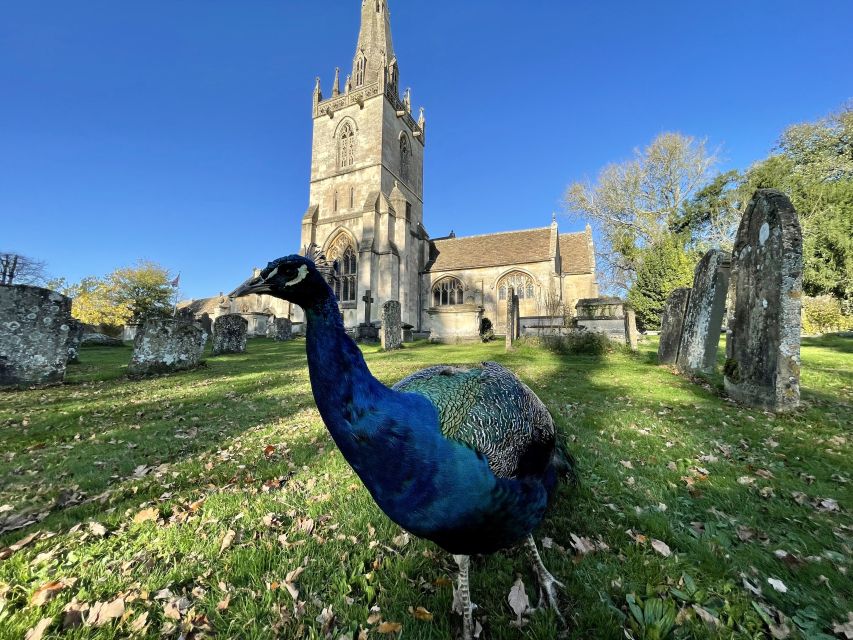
{"type": "Point", "coordinates": [466, 458]}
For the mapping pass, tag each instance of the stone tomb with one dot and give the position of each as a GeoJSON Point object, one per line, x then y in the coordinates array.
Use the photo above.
{"type": "Point", "coordinates": [34, 328]}
{"type": "Point", "coordinates": [602, 315]}
{"type": "Point", "coordinates": [391, 333]}
{"type": "Point", "coordinates": [671, 322]}
{"type": "Point", "coordinates": [75, 338]}
{"type": "Point", "coordinates": [763, 339]}
{"type": "Point", "coordinates": [166, 345]}
{"type": "Point", "coordinates": [280, 329]}
{"type": "Point", "coordinates": [703, 320]}
{"type": "Point", "coordinates": [230, 333]}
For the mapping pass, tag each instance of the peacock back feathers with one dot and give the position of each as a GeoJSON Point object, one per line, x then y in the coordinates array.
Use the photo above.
{"type": "Point", "coordinates": [490, 410]}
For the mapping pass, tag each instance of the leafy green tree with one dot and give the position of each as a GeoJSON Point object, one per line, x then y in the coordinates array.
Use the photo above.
{"type": "Point", "coordinates": [712, 215]}
{"type": "Point", "coordinates": [665, 266]}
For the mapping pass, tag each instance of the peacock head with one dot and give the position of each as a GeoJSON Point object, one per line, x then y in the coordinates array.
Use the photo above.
{"type": "Point", "coordinates": [295, 278]}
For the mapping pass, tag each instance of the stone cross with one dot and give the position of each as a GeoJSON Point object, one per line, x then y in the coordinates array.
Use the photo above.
{"type": "Point", "coordinates": [367, 302]}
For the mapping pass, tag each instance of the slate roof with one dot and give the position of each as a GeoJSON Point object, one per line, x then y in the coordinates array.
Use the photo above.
{"type": "Point", "coordinates": [509, 248]}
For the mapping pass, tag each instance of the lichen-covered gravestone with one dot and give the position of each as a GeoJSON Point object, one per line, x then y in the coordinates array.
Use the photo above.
{"type": "Point", "coordinates": [763, 339]}
{"type": "Point", "coordinates": [280, 329]}
{"type": "Point", "coordinates": [703, 320]}
{"type": "Point", "coordinates": [631, 336]}
{"type": "Point", "coordinates": [671, 322]}
{"type": "Point", "coordinates": [166, 345]}
{"type": "Point", "coordinates": [34, 326]}
{"type": "Point", "coordinates": [75, 337]}
{"type": "Point", "coordinates": [392, 326]}
{"type": "Point", "coordinates": [510, 317]}
{"type": "Point", "coordinates": [229, 334]}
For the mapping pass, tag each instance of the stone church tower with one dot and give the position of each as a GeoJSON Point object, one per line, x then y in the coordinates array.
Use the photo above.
{"type": "Point", "coordinates": [366, 194]}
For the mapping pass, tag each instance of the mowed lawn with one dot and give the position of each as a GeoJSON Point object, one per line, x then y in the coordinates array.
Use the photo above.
{"type": "Point", "coordinates": [213, 503]}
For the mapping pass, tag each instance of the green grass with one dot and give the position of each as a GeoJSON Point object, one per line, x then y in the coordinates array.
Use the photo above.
{"type": "Point", "coordinates": [238, 445]}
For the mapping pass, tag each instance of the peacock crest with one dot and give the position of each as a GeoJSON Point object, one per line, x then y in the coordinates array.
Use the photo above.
{"type": "Point", "coordinates": [326, 267]}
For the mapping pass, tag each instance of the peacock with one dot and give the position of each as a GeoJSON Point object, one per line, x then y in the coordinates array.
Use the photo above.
{"type": "Point", "coordinates": [464, 457]}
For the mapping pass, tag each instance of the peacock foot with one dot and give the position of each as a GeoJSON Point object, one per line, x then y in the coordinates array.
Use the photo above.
{"type": "Point", "coordinates": [549, 586]}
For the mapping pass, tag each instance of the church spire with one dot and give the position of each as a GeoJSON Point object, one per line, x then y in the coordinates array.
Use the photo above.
{"type": "Point", "coordinates": [375, 50]}
{"type": "Point", "coordinates": [336, 86]}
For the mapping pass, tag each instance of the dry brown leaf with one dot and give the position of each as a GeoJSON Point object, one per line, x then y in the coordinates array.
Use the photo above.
{"type": "Point", "coordinates": [402, 540]}
{"type": "Point", "coordinates": [46, 593]}
{"type": "Point", "coordinates": [222, 605]}
{"type": "Point", "coordinates": [661, 547]}
{"type": "Point", "coordinates": [227, 540]}
{"type": "Point", "coordinates": [97, 529]}
{"type": "Point", "coordinates": [582, 545]}
{"type": "Point", "coordinates": [706, 616]}
{"type": "Point", "coordinates": [102, 613]}
{"type": "Point", "coordinates": [389, 627]}
{"type": "Point", "coordinates": [422, 614]}
{"type": "Point", "coordinates": [20, 544]}
{"type": "Point", "coordinates": [140, 622]}
{"type": "Point", "coordinates": [778, 585]}
{"type": "Point", "coordinates": [518, 600]}
{"type": "Point", "coordinates": [145, 515]}
{"type": "Point", "coordinates": [627, 464]}
{"type": "Point", "coordinates": [175, 608]}
{"type": "Point", "coordinates": [37, 631]}
{"type": "Point", "coordinates": [844, 630]}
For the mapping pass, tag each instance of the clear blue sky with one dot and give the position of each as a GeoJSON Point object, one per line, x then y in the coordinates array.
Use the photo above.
{"type": "Point", "coordinates": [180, 130]}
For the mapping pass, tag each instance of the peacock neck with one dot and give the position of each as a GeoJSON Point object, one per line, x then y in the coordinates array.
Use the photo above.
{"type": "Point", "coordinates": [344, 389]}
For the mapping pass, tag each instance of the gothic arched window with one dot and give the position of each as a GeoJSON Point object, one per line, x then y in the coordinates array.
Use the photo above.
{"type": "Point", "coordinates": [344, 281]}
{"type": "Point", "coordinates": [346, 146]}
{"type": "Point", "coordinates": [521, 282]}
{"type": "Point", "coordinates": [447, 292]}
{"type": "Point", "coordinates": [405, 157]}
{"type": "Point", "coordinates": [360, 71]}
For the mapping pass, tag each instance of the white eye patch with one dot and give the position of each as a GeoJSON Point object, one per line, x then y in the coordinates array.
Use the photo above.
{"type": "Point", "coordinates": [303, 273]}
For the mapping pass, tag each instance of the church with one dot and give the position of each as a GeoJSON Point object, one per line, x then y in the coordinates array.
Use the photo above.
{"type": "Point", "coordinates": [366, 212]}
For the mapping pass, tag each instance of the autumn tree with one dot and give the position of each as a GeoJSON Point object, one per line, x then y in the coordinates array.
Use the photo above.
{"type": "Point", "coordinates": [20, 269]}
{"type": "Point", "coordinates": [635, 205]}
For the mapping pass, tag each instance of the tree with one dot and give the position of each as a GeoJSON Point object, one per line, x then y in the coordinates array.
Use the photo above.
{"type": "Point", "coordinates": [635, 204]}
{"type": "Point", "coordinates": [713, 214]}
{"type": "Point", "coordinates": [19, 269]}
{"type": "Point", "coordinates": [665, 267]}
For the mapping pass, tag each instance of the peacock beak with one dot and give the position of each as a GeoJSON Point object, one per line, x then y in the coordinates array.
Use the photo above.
{"type": "Point", "coordinates": [252, 285]}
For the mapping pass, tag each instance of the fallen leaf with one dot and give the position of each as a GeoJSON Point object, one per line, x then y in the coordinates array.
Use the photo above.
{"type": "Point", "coordinates": [269, 450]}
{"type": "Point", "coordinates": [422, 614]}
{"type": "Point", "coordinates": [706, 616]}
{"type": "Point", "coordinates": [327, 619]}
{"type": "Point", "coordinates": [227, 540]}
{"type": "Point", "coordinates": [518, 600]}
{"type": "Point", "coordinates": [627, 464]}
{"type": "Point", "coordinates": [145, 515]}
{"type": "Point", "coordinates": [661, 547]}
{"type": "Point", "coordinates": [753, 589]}
{"type": "Point", "coordinates": [778, 585]}
{"type": "Point", "coordinates": [582, 545]}
{"type": "Point", "coordinates": [97, 529]}
{"type": "Point", "coordinates": [846, 628]}
{"type": "Point", "coordinates": [828, 504]}
{"type": "Point", "coordinates": [745, 533]}
{"type": "Point", "coordinates": [176, 607]}
{"type": "Point", "coordinates": [402, 540]}
{"type": "Point", "coordinates": [140, 622]}
{"type": "Point", "coordinates": [37, 631]}
{"type": "Point", "coordinates": [73, 614]}
{"type": "Point", "coordinates": [389, 627]}
{"type": "Point", "coordinates": [102, 613]}
{"type": "Point", "coordinates": [20, 544]}
{"type": "Point", "coordinates": [46, 593]}
{"type": "Point", "coordinates": [222, 605]}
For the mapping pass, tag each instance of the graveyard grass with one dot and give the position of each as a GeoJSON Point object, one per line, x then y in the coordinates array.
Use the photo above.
{"type": "Point", "coordinates": [204, 493]}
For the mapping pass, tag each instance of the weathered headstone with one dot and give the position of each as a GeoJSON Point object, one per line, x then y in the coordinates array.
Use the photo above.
{"type": "Point", "coordinates": [670, 325]}
{"type": "Point", "coordinates": [408, 333]}
{"type": "Point", "coordinates": [75, 337]}
{"type": "Point", "coordinates": [206, 323]}
{"type": "Point", "coordinates": [516, 314]}
{"type": "Point", "coordinates": [763, 339]}
{"type": "Point", "coordinates": [602, 315]}
{"type": "Point", "coordinates": [34, 326]}
{"type": "Point", "coordinates": [510, 317]}
{"type": "Point", "coordinates": [631, 336]}
{"type": "Point", "coordinates": [164, 345]}
{"type": "Point", "coordinates": [280, 329]}
{"type": "Point", "coordinates": [703, 320]}
{"type": "Point", "coordinates": [229, 334]}
{"type": "Point", "coordinates": [392, 331]}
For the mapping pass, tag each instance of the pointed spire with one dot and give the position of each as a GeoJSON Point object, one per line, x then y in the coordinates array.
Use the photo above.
{"type": "Point", "coordinates": [336, 87]}
{"type": "Point", "coordinates": [374, 48]}
{"type": "Point", "coordinates": [348, 84]}
{"type": "Point", "coordinates": [407, 100]}
{"type": "Point", "coordinates": [422, 120]}
{"type": "Point", "coordinates": [318, 92]}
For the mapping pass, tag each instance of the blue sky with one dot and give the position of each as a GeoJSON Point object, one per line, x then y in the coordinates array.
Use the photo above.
{"type": "Point", "coordinates": [179, 130]}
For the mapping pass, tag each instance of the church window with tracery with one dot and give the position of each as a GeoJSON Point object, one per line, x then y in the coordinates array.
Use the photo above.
{"type": "Point", "coordinates": [448, 292]}
{"type": "Point", "coordinates": [346, 146]}
{"type": "Point", "coordinates": [405, 157]}
{"type": "Point", "coordinates": [522, 284]}
{"type": "Point", "coordinates": [345, 277]}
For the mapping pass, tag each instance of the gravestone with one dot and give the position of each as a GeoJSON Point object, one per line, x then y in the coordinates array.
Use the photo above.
{"type": "Point", "coordinates": [510, 317]}
{"type": "Point", "coordinates": [763, 339]}
{"type": "Point", "coordinates": [75, 337]}
{"type": "Point", "coordinates": [631, 336]}
{"type": "Point", "coordinates": [408, 333]}
{"type": "Point", "coordinates": [703, 320]}
{"type": "Point", "coordinates": [671, 322]}
{"type": "Point", "coordinates": [516, 314]}
{"type": "Point", "coordinates": [229, 334]}
{"type": "Point", "coordinates": [391, 333]}
{"type": "Point", "coordinates": [366, 332]}
{"type": "Point", "coordinates": [163, 345]}
{"type": "Point", "coordinates": [34, 328]}
{"type": "Point", "coordinates": [206, 323]}
{"type": "Point", "coordinates": [281, 329]}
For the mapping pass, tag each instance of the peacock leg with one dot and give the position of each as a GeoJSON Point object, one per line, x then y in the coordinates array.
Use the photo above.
{"type": "Point", "coordinates": [548, 584]}
{"type": "Point", "coordinates": [464, 592]}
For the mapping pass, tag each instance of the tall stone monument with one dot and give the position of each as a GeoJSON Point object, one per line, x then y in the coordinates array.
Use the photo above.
{"type": "Point", "coordinates": [510, 317]}
{"type": "Point", "coordinates": [165, 345]}
{"type": "Point", "coordinates": [34, 327]}
{"type": "Point", "coordinates": [763, 339]}
{"type": "Point", "coordinates": [392, 330]}
{"type": "Point", "coordinates": [631, 335]}
{"type": "Point", "coordinates": [230, 333]}
{"type": "Point", "coordinates": [703, 320]}
{"type": "Point", "coordinates": [670, 325]}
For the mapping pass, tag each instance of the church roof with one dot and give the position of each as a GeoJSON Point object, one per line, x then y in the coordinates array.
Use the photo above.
{"type": "Point", "coordinates": [200, 306]}
{"type": "Point", "coordinates": [509, 248]}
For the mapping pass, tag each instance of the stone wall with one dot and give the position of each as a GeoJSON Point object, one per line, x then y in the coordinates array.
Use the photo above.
{"type": "Point", "coordinates": [229, 334]}
{"type": "Point", "coordinates": [34, 328]}
{"type": "Point", "coordinates": [763, 339]}
{"type": "Point", "coordinates": [166, 345]}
